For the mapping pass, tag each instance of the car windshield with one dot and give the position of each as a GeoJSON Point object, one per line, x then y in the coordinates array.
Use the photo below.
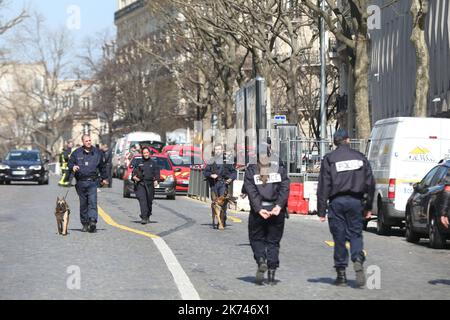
{"type": "Point", "coordinates": [23, 156]}
{"type": "Point", "coordinates": [163, 163]}
{"type": "Point", "coordinates": [185, 161]}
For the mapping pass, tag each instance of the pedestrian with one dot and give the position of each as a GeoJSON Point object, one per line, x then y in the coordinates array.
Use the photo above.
{"type": "Point", "coordinates": [267, 186]}
{"type": "Point", "coordinates": [107, 157]}
{"type": "Point", "coordinates": [146, 175]}
{"type": "Point", "coordinates": [63, 162]}
{"type": "Point", "coordinates": [87, 164]}
{"type": "Point", "coordinates": [346, 181]}
{"type": "Point", "coordinates": [220, 173]}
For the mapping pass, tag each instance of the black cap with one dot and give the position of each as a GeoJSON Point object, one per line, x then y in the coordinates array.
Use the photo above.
{"type": "Point", "coordinates": [340, 135]}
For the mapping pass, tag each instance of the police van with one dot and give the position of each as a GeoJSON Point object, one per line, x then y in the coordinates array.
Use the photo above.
{"type": "Point", "coordinates": [401, 151]}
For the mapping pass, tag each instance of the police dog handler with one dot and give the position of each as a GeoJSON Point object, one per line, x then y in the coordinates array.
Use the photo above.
{"type": "Point", "coordinates": [87, 163]}
{"type": "Point", "coordinates": [267, 186]}
{"type": "Point", "coordinates": [346, 181]}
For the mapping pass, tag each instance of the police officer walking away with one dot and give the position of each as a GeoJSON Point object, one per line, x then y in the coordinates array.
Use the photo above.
{"type": "Point", "coordinates": [107, 157]}
{"type": "Point", "coordinates": [87, 163]}
{"type": "Point", "coordinates": [267, 186]}
{"type": "Point", "coordinates": [346, 181]}
{"type": "Point", "coordinates": [146, 176]}
{"type": "Point", "coordinates": [220, 173]}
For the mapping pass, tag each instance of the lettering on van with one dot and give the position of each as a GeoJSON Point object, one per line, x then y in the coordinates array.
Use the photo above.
{"type": "Point", "coordinates": [420, 154]}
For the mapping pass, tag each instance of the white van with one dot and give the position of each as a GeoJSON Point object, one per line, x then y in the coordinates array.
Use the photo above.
{"type": "Point", "coordinates": [401, 151]}
{"type": "Point", "coordinates": [143, 139]}
{"type": "Point", "coordinates": [118, 149]}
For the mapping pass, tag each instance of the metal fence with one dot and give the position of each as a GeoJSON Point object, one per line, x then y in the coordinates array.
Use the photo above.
{"type": "Point", "coordinates": [198, 187]}
{"type": "Point", "coordinates": [302, 156]}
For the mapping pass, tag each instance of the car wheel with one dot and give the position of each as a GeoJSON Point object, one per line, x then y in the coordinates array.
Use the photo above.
{"type": "Point", "coordinates": [410, 234]}
{"type": "Point", "coordinates": [382, 228]}
{"type": "Point", "coordinates": [437, 240]}
{"type": "Point", "coordinates": [171, 197]}
{"type": "Point", "coordinates": [8, 182]}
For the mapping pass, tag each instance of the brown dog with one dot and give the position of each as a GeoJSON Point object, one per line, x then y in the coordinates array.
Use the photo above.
{"type": "Point", "coordinates": [62, 213]}
{"type": "Point", "coordinates": [218, 207]}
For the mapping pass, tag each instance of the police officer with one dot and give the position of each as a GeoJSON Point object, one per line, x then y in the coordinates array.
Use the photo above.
{"type": "Point", "coordinates": [220, 173]}
{"type": "Point", "coordinates": [146, 176]}
{"type": "Point", "coordinates": [107, 157]}
{"type": "Point", "coordinates": [63, 161]}
{"type": "Point", "coordinates": [267, 186]}
{"type": "Point", "coordinates": [346, 181]}
{"type": "Point", "coordinates": [274, 158]}
{"type": "Point", "coordinates": [86, 163]}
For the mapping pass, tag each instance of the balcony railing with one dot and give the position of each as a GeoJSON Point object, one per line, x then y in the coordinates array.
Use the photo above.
{"type": "Point", "coordinates": [128, 9]}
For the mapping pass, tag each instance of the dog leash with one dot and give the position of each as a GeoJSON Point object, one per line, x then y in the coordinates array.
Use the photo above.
{"type": "Point", "coordinates": [67, 193]}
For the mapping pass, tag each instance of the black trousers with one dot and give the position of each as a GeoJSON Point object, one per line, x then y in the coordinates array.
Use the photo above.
{"type": "Point", "coordinates": [345, 218]}
{"type": "Point", "coordinates": [145, 194]}
{"type": "Point", "coordinates": [265, 237]}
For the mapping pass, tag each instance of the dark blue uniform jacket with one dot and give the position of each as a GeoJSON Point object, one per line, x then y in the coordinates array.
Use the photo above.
{"type": "Point", "coordinates": [90, 163]}
{"type": "Point", "coordinates": [345, 172]}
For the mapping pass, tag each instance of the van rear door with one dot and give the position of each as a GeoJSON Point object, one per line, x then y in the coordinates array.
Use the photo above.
{"type": "Point", "coordinates": [417, 151]}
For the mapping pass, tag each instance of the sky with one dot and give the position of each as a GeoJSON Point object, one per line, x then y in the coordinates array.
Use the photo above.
{"type": "Point", "coordinates": [94, 15]}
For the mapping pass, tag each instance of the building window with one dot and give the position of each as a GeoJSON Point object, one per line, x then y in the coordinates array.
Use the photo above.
{"type": "Point", "coordinates": [87, 128]}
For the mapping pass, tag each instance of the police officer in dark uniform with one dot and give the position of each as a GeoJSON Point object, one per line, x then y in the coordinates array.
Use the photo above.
{"type": "Point", "coordinates": [107, 156]}
{"type": "Point", "coordinates": [146, 176]}
{"type": "Point", "coordinates": [86, 163]}
{"type": "Point", "coordinates": [346, 181]}
{"type": "Point", "coordinates": [267, 186]}
{"type": "Point", "coordinates": [220, 173]}
{"type": "Point", "coordinates": [274, 158]}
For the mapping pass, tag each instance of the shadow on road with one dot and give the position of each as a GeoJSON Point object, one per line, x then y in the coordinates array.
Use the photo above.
{"type": "Point", "coordinates": [252, 280]}
{"type": "Point", "coordinates": [139, 222]}
{"type": "Point", "coordinates": [440, 281]}
{"type": "Point", "coordinates": [80, 230]}
{"type": "Point", "coordinates": [330, 281]}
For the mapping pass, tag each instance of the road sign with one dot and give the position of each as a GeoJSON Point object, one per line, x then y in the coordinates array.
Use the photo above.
{"type": "Point", "coordinates": [280, 119]}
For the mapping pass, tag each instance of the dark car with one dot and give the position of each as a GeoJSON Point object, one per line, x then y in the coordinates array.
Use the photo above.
{"type": "Point", "coordinates": [167, 182]}
{"type": "Point", "coordinates": [429, 201]}
{"type": "Point", "coordinates": [24, 165]}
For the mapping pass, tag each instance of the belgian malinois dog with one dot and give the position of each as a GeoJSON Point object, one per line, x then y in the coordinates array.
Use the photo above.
{"type": "Point", "coordinates": [62, 213]}
{"type": "Point", "coordinates": [218, 206]}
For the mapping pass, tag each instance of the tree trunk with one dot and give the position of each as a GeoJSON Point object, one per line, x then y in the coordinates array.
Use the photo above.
{"type": "Point", "coordinates": [362, 119]}
{"type": "Point", "coordinates": [419, 9]}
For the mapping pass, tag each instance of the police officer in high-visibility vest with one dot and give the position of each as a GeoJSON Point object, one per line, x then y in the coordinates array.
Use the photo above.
{"type": "Point", "coordinates": [346, 181]}
{"type": "Point", "coordinates": [267, 185]}
{"type": "Point", "coordinates": [63, 162]}
{"type": "Point", "coordinates": [87, 163]}
{"type": "Point", "coordinates": [146, 176]}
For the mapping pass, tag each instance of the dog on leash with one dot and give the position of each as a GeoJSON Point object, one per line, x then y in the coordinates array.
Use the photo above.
{"type": "Point", "coordinates": [62, 214]}
{"type": "Point", "coordinates": [218, 207]}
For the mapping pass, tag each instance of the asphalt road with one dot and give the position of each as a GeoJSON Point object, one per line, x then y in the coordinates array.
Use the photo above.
{"type": "Point", "coordinates": [180, 256]}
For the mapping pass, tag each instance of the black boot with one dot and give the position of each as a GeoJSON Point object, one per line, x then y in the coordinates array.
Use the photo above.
{"type": "Point", "coordinates": [144, 221]}
{"type": "Point", "coordinates": [359, 271]}
{"type": "Point", "coordinates": [85, 228]}
{"type": "Point", "coordinates": [262, 268]}
{"type": "Point", "coordinates": [341, 279]}
{"type": "Point", "coordinates": [92, 226]}
{"type": "Point", "coordinates": [271, 277]}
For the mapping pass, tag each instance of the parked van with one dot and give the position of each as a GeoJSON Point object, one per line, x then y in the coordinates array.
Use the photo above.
{"type": "Point", "coordinates": [401, 151]}
{"type": "Point", "coordinates": [118, 149]}
{"type": "Point", "coordinates": [144, 139]}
